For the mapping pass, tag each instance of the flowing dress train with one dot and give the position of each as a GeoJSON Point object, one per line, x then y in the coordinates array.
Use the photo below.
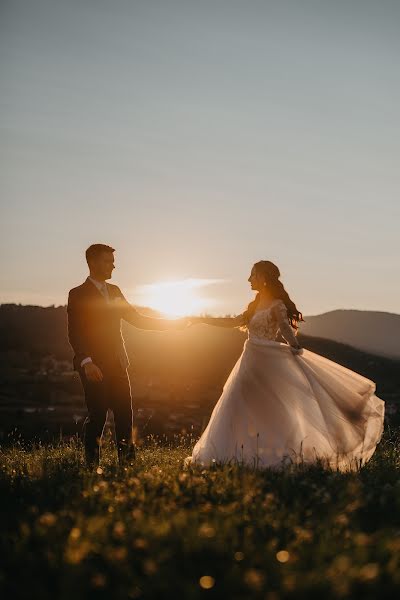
{"type": "Point", "coordinates": [277, 406]}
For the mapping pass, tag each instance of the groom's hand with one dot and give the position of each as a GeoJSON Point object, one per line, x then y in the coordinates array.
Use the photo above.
{"type": "Point", "coordinates": [93, 373]}
{"type": "Point", "coordinates": [195, 320]}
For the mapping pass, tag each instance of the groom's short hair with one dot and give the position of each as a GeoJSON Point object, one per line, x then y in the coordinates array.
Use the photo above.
{"type": "Point", "coordinates": [95, 250]}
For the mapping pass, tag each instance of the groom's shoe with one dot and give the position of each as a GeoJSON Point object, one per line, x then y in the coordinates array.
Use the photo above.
{"type": "Point", "coordinates": [126, 454]}
{"type": "Point", "coordinates": [92, 458]}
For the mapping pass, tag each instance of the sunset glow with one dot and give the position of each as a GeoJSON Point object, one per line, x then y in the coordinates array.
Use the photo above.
{"type": "Point", "coordinates": [176, 298]}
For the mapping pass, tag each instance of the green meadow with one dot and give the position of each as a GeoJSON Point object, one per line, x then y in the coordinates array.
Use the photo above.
{"type": "Point", "coordinates": [157, 530]}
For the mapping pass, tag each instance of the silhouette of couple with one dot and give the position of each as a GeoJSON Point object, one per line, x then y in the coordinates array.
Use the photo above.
{"type": "Point", "coordinates": [280, 401]}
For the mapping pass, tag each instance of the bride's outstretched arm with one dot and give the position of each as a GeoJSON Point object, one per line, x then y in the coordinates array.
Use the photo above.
{"type": "Point", "coordinates": [140, 321]}
{"type": "Point", "coordinates": [219, 321]}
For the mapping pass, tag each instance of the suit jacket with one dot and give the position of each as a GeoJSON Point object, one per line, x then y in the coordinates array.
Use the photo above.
{"type": "Point", "coordinates": [94, 326]}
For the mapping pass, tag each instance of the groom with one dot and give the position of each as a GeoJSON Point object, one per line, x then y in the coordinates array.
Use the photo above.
{"type": "Point", "coordinates": [95, 310]}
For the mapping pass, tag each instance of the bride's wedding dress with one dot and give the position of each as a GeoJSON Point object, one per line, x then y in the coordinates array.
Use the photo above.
{"type": "Point", "coordinates": [277, 406]}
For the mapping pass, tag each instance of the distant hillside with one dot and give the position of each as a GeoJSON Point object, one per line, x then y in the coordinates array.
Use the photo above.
{"type": "Point", "coordinates": [200, 353]}
{"type": "Point", "coordinates": [371, 331]}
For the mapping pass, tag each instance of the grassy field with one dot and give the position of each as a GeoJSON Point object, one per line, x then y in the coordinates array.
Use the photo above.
{"type": "Point", "coordinates": [155, 530]}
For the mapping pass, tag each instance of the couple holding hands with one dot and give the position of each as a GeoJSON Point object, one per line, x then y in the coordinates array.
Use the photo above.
{"type": "Point", "coordinates": [280, 401]}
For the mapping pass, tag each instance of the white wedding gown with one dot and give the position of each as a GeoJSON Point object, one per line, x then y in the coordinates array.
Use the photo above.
{"type": "Point", "coordinates": [279, 407]}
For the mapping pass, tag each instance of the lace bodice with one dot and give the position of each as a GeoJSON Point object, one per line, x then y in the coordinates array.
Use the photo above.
{"type": "Point", "coordinates": [266, 323]}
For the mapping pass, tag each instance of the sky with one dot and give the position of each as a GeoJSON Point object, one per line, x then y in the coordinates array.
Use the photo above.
{"type": "Point", "coordinates": [197, 138]}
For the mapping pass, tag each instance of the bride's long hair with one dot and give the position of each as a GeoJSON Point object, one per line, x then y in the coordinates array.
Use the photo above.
{"type": "Point", "coordinates": [271, 274]}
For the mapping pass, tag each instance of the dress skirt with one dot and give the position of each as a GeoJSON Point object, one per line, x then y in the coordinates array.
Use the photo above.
{"type": "Point", "coordinates": [278, 407]}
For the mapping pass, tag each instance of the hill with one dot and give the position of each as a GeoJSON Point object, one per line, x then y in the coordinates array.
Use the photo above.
{"type": "Point", "coordinates": [371, 331]}
{"type": "Point", "coordinates": [177, 377]}
{"type": "Point", "coordinates": [28, 334]}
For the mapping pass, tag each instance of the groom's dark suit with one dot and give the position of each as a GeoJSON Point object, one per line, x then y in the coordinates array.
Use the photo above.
{"type": "Point", "coordinates": [94, 330]}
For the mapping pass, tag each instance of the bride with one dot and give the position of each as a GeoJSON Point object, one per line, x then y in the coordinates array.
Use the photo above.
{"type": "Point", "coordinates": [282, 402]}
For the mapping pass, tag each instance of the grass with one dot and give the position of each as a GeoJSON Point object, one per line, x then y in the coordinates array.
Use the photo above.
{"type": "Point", "coordinates": [155, 530]}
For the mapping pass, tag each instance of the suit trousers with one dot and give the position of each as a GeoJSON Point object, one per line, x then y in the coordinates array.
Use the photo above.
{"type": "Point", "coordinates": [113, 392]}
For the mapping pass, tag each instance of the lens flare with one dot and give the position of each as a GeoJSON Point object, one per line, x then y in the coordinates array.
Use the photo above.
{"type": "Point", "coordinates": [176, 298]}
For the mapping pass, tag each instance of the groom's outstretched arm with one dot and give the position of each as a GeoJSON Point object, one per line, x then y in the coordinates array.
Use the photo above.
{"type": "Point", "coordinates": [135, 318]}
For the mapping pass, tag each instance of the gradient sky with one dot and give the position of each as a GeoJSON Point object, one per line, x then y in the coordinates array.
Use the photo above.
{"type": "Point", "coordinates": [197, 138]}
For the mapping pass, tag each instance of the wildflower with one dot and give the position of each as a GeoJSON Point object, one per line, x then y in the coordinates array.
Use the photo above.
{"type": "Point", "coordinates": [206, 531]}
{"type": "Point", "coordinates": [238, 556]}
{"type": "Point", "coordinates": [119, 529]}
{"type": "Point", "coordinates": [361, 539]}
{"type": "Point", "coordinates": [342, 519]}
{"type": "Point", "coordinates": [282, 556]}
{"type": "Point", "coordinates": [118, 554]}
{"type": "Point", "coordinates": [254, 579]}
{"type": "Point", "coordinates": [47, 519]}
{"type": "Point", "coordinates": [207, 582]}
{"type": "Point", "coordinates": [75, 533]}
{"type": "Point", "coordinates": [150, 567]}
{"type": "Point", "coordinates": [369, 572]}
{"type": "Point", "coordinates": [137, 513]}
{"type": "Point", "coordinates": [98, 580]}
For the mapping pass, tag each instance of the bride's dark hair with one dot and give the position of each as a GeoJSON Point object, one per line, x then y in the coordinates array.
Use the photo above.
{"type": "Point", "coordinates": [272, 274]}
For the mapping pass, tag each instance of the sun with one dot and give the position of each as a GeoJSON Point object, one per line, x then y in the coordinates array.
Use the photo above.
{"type": "Point", "coordinates": [175, 298]}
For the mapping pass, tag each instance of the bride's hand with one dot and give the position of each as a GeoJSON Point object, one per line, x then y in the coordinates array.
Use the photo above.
{"type": "Point", "coordinates": [195, 320]}
{"type": "Point", "coordinates": [296, 349]}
